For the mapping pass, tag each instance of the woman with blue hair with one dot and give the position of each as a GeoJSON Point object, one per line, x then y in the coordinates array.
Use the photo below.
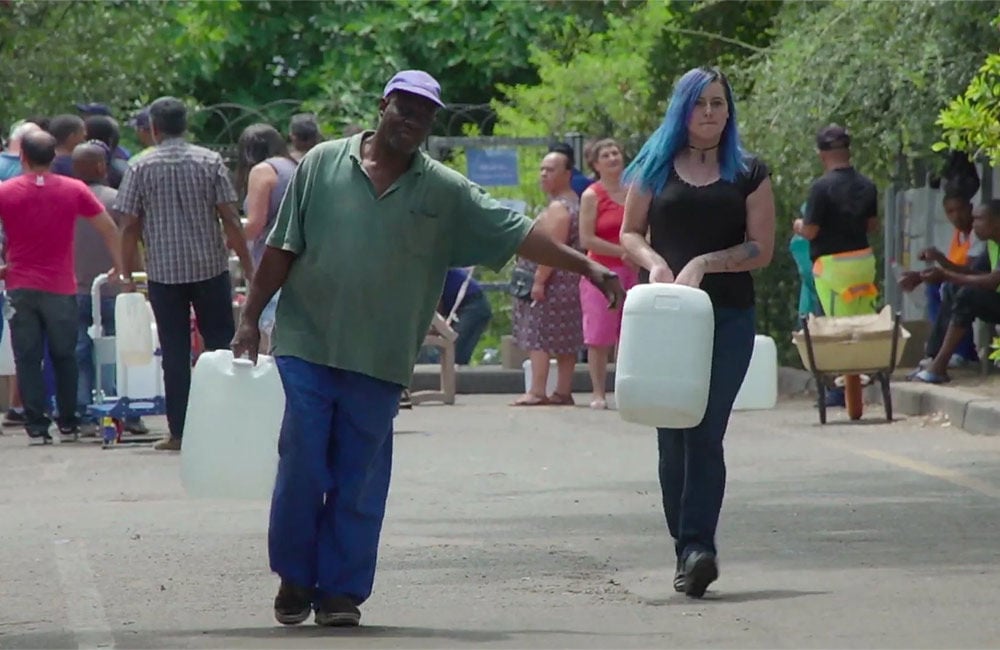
{"type": "Point", "coordinates": [708, 208]}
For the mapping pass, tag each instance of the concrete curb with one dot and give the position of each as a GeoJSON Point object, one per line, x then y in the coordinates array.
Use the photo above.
{"type": "Point", "coordinates": [970, 411]}
{"type": "Point", "coordinates": [497, 380]}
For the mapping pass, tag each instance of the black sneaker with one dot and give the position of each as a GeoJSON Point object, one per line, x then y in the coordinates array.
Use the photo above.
{"type": "Point", "coordinates": [293, 604]}
{"type": "Point", "coordinates": [700, 570]}
{"type": "Point", "coordinates": [69, 433]}
{"type": "Point", "coordinates": [13, 418]}
{"type": "Point", "coordinates": [337, 611]}
{"type": "Point", "coordinates": [404, 400]}
{"type": "Point", "coordinates": [38, 435]}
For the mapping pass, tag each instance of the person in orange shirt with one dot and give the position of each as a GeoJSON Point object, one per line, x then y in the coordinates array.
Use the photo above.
{"type": "Point", "coordinates": [964, 247]}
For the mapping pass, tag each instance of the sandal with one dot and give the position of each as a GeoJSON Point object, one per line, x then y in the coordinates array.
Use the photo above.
{"type": "Point", "coordinates": [557, 399]}
{"type": "Point", "coordinates": [530, 400]}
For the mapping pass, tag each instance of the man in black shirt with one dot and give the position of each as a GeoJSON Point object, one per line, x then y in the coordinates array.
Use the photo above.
{"type": "Point", "coordinates": [842, 209]}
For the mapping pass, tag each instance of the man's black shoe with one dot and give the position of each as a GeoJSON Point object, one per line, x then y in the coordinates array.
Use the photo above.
{"type": "Point", "coordinates": [700, 570]}
{"type": "Point", "coordinates": [337, 611]}
{"type": "Point", "coordinates": [293, 604]}
{"type": "Point", "coordinates": [679, 578]}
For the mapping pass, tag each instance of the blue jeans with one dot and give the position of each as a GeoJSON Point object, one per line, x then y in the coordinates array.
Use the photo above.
{"type": "Point", "coordinates": [692, 462]}
{"type": "Point", "coordinates": [335, 458]}
{"type": "Point", "coordinates": [42, 317]}
{"type": "Point", "coordinates": [212, 301]}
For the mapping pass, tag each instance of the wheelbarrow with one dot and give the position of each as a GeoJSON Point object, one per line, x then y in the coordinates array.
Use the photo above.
{"type": "Point", "coordinates": [851, 346]}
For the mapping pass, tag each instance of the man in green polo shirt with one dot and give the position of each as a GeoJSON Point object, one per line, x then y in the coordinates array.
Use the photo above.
{"type": "Point", "coordinates": [977, 292]}
{"type": "Point", "coordinates": [363, 240]}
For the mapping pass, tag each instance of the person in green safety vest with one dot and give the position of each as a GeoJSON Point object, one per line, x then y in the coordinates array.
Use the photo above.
{"type": "Point", "coordinates": [977, 294]}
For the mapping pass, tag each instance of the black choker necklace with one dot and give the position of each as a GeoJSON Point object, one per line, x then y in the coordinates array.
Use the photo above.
{"type": "Point", "coordinates": [691, 146]}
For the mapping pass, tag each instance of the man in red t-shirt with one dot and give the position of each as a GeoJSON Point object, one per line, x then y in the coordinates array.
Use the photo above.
{"type": "Point", "coordinates": [38, 211]}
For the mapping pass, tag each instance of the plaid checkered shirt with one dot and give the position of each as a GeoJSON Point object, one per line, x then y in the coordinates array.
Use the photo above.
{"type": "Point", "coordinates": [175, 189]}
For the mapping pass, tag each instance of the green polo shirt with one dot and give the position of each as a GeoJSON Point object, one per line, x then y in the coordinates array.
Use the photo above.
{"type": "Point", "coordinates": [369, 270]}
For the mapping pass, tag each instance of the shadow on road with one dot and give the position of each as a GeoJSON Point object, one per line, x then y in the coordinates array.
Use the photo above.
{"type": "Point", "coordinates": [730, 597]}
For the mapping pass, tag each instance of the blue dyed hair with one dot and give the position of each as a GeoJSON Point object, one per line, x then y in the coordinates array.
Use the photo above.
{"type": "Point", "coordinates": [652, 167]}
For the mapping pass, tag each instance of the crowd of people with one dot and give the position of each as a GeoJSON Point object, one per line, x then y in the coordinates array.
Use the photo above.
{"type": "Point", "coordinates": [75, 204]}
{"type": "Point", "coordinates": [346, 247]}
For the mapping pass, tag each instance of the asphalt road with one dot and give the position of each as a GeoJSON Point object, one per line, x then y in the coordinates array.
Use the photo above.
{"type": "Point", "coordinates": [530, 528]}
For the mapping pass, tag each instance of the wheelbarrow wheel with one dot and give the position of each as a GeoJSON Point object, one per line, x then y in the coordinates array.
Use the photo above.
{"type": "Point", "coordinates": [852, 396]}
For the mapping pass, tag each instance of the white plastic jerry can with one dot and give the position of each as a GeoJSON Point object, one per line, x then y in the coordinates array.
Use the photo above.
{"type": "Point", "coordinates": [133, 329]}
{"type": "Point", "coordinates": [7, 367]}
{"type": "Point", "coordinates": [665, 356]}
{"type": "Point", "coordinates": [760, 386]}
{"type": "Point", "coordinates": [550, 379]}
{"type": "Point", "coordinates": [143, 382]}
{"type": "Point", "coordinates": [234, 415]}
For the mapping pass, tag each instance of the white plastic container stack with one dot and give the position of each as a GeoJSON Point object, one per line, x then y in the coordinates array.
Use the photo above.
{"type": "Point", "coordinates": [760, 386]}
{"type": "Point", "coordinates": [234, 416]}
{"type": "Point", "coordinates": [138, 382]}
{"type": "Point", "coordinates": [550, 381]}
{"type": "Point", "coordinates": [133, 321]}
{"type": "Point", "coordinates": [665, 356]}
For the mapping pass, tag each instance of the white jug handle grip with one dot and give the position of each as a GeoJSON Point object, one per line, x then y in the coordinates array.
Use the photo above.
{"type": "Point", "coordinates": [243, 363]}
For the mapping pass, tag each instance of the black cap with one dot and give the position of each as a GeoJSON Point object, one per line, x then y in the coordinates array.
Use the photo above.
{"type": "Point", "coordinates": [833, 137]}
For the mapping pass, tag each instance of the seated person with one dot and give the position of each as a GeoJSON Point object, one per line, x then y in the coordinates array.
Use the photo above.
{"type": "Point", "coordinates": [976, 292]}
{"type": "Point", "coordinates": [965, 246]}
{"type": "Point", "coordinates": [465, 306]}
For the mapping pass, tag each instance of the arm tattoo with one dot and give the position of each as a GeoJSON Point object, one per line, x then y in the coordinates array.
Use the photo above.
{"type": "Point", "coordinates": [730, 259]}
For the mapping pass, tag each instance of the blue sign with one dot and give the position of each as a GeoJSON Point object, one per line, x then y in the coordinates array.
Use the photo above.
{"type": "Point", "coordinates": [492, 167]}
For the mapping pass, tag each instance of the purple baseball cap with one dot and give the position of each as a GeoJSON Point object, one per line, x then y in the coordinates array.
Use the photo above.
{"type": "Point", "coordinates": [416, 82]}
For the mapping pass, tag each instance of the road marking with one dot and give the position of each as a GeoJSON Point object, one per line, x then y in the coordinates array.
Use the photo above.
{"type": "Point", "coordinates": [84, 607]}
{"type": "Point", "coordinates": [951, 476]}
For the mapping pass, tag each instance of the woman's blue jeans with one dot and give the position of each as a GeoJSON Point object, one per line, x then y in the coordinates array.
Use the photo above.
{"type": "Point", "coordinates": [692, 464]}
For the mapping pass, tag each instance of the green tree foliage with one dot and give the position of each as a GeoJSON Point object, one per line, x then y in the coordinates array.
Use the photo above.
{"type": "Point", "coordinates": [336, 56]}
{"type": "Point", "coordinates": [54, 54]}
{"type": "Point", "coordinates": [971, 121]}
{"type": "Point", "coordinates": [617, 81]}
{"type": "Point", "coordinates": [575, 91]}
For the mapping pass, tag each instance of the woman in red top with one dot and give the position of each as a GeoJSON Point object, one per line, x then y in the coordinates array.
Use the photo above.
{"type": "Point", "coordinates": [602, 208]}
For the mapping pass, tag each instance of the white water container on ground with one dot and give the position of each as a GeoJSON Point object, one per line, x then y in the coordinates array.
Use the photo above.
{"type": "Point", "coordinates": [230, 448]}
{"type": "Point", "coordinates": [133, 319]}
{"type": "Point", "coordinates": [550, 381]}
{"type": "Point", "coordinates": [760, 386]}
{"type": "Point", "coordinates": [141, 382]}
{"type": "Point", "coordinates": [665, 356]}
{"type": "Point", "coordinates": [7, 367]}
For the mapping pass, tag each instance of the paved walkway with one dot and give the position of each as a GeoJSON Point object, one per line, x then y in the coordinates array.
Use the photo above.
{"type": "Point", "coordinates": [517, 528]}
